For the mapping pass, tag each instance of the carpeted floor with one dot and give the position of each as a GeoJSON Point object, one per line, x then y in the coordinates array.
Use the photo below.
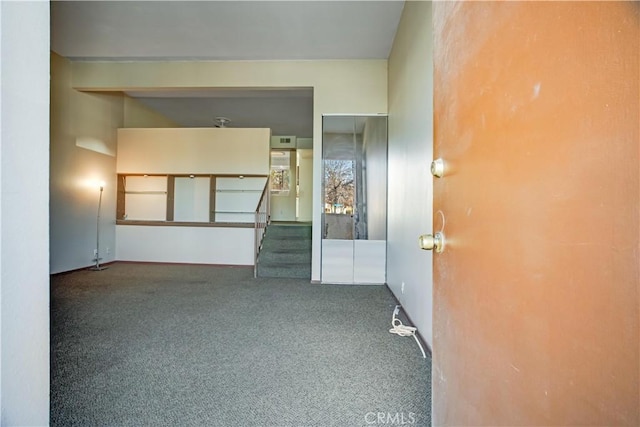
{"type": "Point", "coordinates": [179, 345]}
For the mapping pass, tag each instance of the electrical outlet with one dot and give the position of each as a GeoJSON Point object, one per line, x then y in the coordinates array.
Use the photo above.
{"type": "Point", "coordinates": [108, 250]}
{"type": "Point", "coordinates": [402, 288]}
{"type": "Point", "coordinates": [95, 252]}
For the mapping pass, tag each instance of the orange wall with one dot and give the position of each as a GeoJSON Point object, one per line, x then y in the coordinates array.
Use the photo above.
{"type": "Point", "coordinates": [536, 297]}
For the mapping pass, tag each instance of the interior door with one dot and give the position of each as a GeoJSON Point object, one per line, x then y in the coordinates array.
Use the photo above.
{"type": "Point", "coordinates": [354, 191]}
{"type": "Point", "coordinates": [536, 291]}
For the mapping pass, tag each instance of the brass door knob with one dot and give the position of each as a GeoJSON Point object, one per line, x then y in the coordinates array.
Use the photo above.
{"type": "Point", "coordinates": [430, 242]}
{"type": "Point", "coordinates": [437, 168]}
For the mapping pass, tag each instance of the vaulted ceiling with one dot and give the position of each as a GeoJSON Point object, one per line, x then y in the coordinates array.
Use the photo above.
{"type": "Point", "coordinates": [226, 30]}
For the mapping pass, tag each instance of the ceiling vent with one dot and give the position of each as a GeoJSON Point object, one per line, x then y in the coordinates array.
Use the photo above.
{"type": "Point", "coordinates": [283, 142]}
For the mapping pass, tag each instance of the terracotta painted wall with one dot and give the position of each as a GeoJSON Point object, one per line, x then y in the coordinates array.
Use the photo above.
{"type": "Point", "coordinates": [536, 296]}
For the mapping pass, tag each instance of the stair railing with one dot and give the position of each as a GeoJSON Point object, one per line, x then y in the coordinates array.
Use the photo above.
{"type": "Point", "coordinates": [262, 218]}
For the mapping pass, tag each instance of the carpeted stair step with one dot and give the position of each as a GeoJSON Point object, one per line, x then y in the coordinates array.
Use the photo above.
{"type": "Point", "coordinates": [285, 269]}
{"type": "Point", "coordinates": [286, 252]}
{"type": "Point", "coordinates": [276, 255]}
{"type": "Point", "coordinates": [303, 232]}
{"type": "Point", "coordinates": [278, 243]}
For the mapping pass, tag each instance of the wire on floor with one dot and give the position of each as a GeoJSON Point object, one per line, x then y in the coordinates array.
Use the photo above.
{"type": "Point", "coordinates": [404, 330]}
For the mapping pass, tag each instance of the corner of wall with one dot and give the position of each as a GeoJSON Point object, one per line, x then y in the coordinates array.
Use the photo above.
{"type": "Point", "coordinates": [138, 115]}
{"type": "Point", "coordinates": [24, 139]}
{"type": "Point", "coordinates": [83, 136]}
{"type": "Point", "coordinates": [410, 188]}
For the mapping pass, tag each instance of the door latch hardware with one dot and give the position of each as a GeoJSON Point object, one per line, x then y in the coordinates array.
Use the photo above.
{"type": "Point", "coordinates": [430, 242]}
{"type": "Point", "coordinates": [437, 168]}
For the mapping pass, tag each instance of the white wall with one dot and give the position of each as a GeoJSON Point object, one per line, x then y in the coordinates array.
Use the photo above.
{"type": "Point", "coordinates": [283, 207]}
{"type": "Point", "coordinates": [305, 203]}
{"type": "Point", "coordinates": [358, 87]}
{"type": "Point", "coordinates": [197, 151]}
{"type": "Point", "coordinates": [192, 245]}
{"type": "Point", "coordinates": [24, 242]}
{"type": "Point", "coordinates": [375, 153]}
{"type": "Point", "coordinates": [410, 154]}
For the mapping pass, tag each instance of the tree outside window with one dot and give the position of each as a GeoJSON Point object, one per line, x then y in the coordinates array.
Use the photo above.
{"type": "Point", "coordinates": [338, 186]}
{"type": "Point", "coordinates": [280, 180]}
{"type": "Point", "coordinates": [280, 173]}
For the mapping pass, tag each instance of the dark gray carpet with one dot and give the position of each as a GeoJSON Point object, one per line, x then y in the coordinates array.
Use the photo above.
{"type": "Point", "coordinates": [177, 345]}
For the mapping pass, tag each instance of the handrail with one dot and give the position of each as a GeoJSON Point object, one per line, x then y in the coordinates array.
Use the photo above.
{"type": "Point", "coordinates": [261, 222]}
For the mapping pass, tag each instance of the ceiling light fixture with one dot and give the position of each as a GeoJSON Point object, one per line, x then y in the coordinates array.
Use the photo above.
{"type": "Point", "coordinates": [221, 122]}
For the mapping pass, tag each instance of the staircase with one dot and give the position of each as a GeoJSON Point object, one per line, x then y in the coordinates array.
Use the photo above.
{"type": "Point", "coordinates": [286, 251]}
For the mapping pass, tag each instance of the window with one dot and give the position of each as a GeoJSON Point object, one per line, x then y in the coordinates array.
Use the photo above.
{"type": "Point", "coordinates": [280, 173]}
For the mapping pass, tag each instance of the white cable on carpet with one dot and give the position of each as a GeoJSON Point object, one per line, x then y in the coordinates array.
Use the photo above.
{"type": "Point", "coordinates": [404, 330]}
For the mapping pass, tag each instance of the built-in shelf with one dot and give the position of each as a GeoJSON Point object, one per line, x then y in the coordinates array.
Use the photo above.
{"type": "Point", "coordinates": [235, 212]}
{"type": "Point", "coordinates": [239, 191]}
{"type": "Point", "coordinates": [206, 200]}
{"type": "Point", "coordinates": [145, 192]}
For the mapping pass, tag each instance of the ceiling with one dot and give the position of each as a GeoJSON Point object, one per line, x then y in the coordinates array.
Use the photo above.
{"type": "Point", "coordinates": [226, 30]}
{"type": "Point", "coordinates": [286, 112]}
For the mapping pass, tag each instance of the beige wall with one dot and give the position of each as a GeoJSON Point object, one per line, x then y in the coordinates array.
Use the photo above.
{"type": "Point", "coordinates": [410, 153]}
{"type": "Point", "coordinates": [194, 150]}
{"type": "Point", "coordinates": [83, 147]}
{"type": "Point", "coordinates": [358, 86]}
{"type": "Point", "coordinates": [137, 115]}
{"type": "Point", "coordinates": [89, 119]}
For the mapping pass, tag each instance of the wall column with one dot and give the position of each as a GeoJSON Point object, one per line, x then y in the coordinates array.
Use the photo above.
{"type": "Point", "coordinates": [24, 213]}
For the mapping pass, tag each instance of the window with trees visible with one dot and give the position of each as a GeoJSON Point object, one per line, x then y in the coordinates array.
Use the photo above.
{"type": "Point", "coordinates": [280, 172]}
{"type": "Point", "coordinates": [339, 186]}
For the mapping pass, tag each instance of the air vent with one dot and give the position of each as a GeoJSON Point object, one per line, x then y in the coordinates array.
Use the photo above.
{"type": "Point", "coordinates": [283, 142]}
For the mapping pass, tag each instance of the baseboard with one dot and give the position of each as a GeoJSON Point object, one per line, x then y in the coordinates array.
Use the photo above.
{"type": "Point", "coordinates": [106, 264]}
{"type": "Point", "coordinates": [103, 264]}
{"type": "Point", "coordinates": [184, 263]}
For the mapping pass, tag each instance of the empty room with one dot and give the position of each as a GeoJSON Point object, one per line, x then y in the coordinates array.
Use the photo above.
{"type": "Point", "coordinates": [353, 213]}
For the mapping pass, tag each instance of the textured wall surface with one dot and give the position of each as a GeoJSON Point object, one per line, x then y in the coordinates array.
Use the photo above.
{"type": "Point", "coordinates": [536, 294]}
